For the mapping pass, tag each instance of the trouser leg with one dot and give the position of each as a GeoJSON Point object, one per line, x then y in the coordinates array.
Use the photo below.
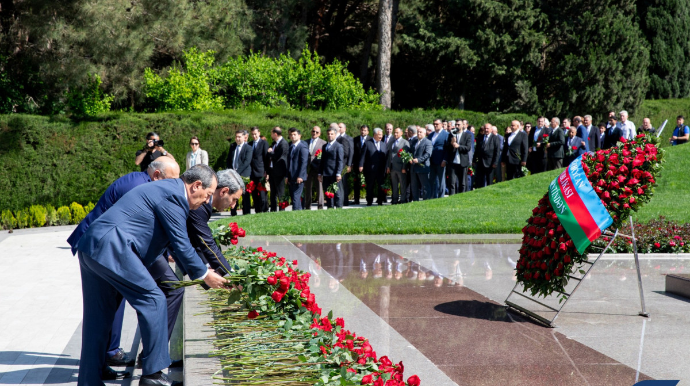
{"type": "Point", "coordinates": [162, 273]}
{"type": "Point", "coordinates": [116, 330]}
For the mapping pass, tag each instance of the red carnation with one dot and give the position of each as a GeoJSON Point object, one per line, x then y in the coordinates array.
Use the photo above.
{"type": "Point", "coordinates": [413, 381]}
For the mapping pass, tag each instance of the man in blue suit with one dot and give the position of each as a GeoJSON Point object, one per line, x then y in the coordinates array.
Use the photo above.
{"type": "Point", "coordinates": [114, 254]}
{"type": "Point", "coordinates": [159, 169]}
{"type": "Point", "coordinates": [420, 165]}
{"type": "Point", "coordinates": [298, 159]}
{"type": "Point", "coordinates": [331, 167]}
{"type": "Point", "coordinates": [437, 169]}
{"type": "Point", "coordinates": [574, 147]}
{"type": "Point", "coordinates": [582, 132]}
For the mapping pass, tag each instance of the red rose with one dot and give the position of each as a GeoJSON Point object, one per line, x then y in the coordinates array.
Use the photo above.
{"type": "Point", "coordinates": [252, 314]}
{"type": "Point", "coordinates": [272, 280]}
{"type": "Point", "coordinates": [566, 259]}
{"type": "Point", "coordinates": [233, 241]}
{"type": "Point", "coordinates": [413, 381]}
{"type": "Point", "coordinates": [284, 284]}
{"type": "Point", "coordinates": [378, 382]}
{"type": "Point", "coordinates": [277, 296]}
{"type": "Point", "coordinates": [574, 147]}
{"type": "Point", "coordinates": [623, 140]}
{"type": "Point", "coordinates": [367, 379]}
{"type": "Point", "coordinates": [385, 361]}
{"type": "Point", "coordinates": [657, 245]}
{"type": "Point", "coordinates": [279, 273]}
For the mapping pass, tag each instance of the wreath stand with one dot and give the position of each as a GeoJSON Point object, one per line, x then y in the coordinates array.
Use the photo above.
{"type": "Point", "coordinates": [590, 264]}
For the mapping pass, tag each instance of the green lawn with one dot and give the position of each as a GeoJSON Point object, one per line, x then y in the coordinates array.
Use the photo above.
{"type": "Point", "coordinates": [500, 208]}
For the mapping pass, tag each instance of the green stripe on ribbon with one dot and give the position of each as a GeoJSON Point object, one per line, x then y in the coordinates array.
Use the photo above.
{"type": "Point", "coordinates": [566, 216]}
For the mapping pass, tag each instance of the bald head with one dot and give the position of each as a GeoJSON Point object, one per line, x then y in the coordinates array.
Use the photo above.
{"type": "Point", "coordinates": [162, 168]}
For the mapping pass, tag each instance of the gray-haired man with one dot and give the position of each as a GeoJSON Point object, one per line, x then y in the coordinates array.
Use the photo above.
{"type": "Point", "coordinates": [395, 166]}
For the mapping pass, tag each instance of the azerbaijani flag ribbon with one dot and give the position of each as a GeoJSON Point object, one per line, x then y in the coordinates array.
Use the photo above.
{"type": "Point", "coordinates": [577, 206]}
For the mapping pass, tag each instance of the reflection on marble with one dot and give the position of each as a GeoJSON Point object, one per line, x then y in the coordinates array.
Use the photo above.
{"type": "Point", "coordinates": [423, 296]}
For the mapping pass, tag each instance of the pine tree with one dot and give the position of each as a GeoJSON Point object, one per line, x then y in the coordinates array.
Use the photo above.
{"type": "Point", "coordinates": [666, 25]}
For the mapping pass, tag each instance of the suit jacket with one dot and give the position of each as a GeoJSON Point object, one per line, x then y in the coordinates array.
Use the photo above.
{"type": "Point", "coordinates": [203, 158]}
{"type": "Point", "coordinates": [438, 155]}
{"type": "Point", "coordinates": [611, 137]}
{"type": "Point", "coordinates": [114, 192]}
{"type": "Point", "coordinates": [487, 151]}
{"type": "Point", "coordinates": [515, 152]}
{"type": "Point", "coordinates": [298, 159]}
{"type": "Point", "coordinates": [583, 134]}
{"type": "Point", "coordinates": [244, 160]}
{"type": "Point", "coordinates": [357, 149]}
{"type": "Point", "coordinates": [532, 144]}
{"type": "Point", "coordinates": [556, 140]}
{"type": "Point", "coordinates": [463, 150]}
{"type": "Point", "coordinates": [372, 160]}
{"type": "Point", "coordinates": [313, 161]}
{"type": "Point", "coordinates": [259, 155]}
{"type": "Point", "coordinates": [279, 158]}
{"type": "Point", "coordinates": [141, 226]}
{"type": "Point", "coordinates": [208, 250]}
{"type": "Point", "coordinates": [332, 160]}
{"type": "Point", "coordinates": [348, 148]}
{"type": "Point", "coordinates": [395, 163]}
{"type": "Point", "coordinates": [593, 139]}
{"type": "Point", "coordinates": [422, 152]}
{"type": "Point", "coordinates": [574, 142]}
{"type": "Point", "coordinates": [387, 138]}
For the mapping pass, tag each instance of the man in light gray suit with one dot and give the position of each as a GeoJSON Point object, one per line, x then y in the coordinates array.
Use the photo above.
{"type": "Point", "coordinates": [315, 143]}
{"type": "Point", "coordinates": [421, 166]}
{"type": "Point", "coordinates": [395, 166]}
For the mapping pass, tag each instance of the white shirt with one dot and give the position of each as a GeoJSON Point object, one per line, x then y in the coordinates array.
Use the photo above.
{"type": "Point", "coordinates": [511, 136]}
{"type": "Point", "coordinates": [628, 130]}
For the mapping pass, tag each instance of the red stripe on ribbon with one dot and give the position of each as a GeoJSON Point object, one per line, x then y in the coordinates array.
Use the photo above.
{"type": "Point", "coordinates": [579, 209]}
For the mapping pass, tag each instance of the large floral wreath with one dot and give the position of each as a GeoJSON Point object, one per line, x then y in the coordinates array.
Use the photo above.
{"type": "Point", "coordinates": [623, 177]}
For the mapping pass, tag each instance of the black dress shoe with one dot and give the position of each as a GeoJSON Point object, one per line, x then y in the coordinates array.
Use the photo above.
{"type": "Point", "coordinates": [158, 379]}
{"type": "Point", "coordinates": [178, 364]}
{"type": "Point", "coordinates": [120, 359]}
{"type": "Point", "coordinates": [109, 374]}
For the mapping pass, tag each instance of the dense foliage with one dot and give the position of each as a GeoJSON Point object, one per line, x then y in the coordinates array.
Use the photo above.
{"type": "Point", "coordinates": [534, 56]}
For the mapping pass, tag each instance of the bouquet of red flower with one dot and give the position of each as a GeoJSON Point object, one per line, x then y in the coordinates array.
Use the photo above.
{"type": "Point", "coordinates": [285, 202]}
{"type": "Point", "coordinates": [571, 150]}
{"type": "Point", "coordinates": [262, 185]}
{"type": "Point", "coordinates": [622, 177]}
{"type": "Point", "coordinates": [249, 188]}
{"type": "Point", "coordinates": [228, 234]}
{"type": "Point", "coordinates": [331, 190]}
{"type": "Point", "coordinates": [318, 154]}
{"type": "Point", "coordinates": [362, 180]}
{"type": "Point", "coordinates": [545, 139]}
{"type": "Point", "coordinates": [405, 156]}
{"type": "Point", "coordinates": [470, 171]}
{"type": "Point", "coordinates": [386, 188]}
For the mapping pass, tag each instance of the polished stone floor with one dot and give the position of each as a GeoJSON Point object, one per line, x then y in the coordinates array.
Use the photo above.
{"type": "Point", "coordinates": [435, 303]}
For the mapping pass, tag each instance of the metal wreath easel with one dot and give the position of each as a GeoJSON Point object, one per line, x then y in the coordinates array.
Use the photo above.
{"type": "Point", "coordinates": [550, 323]}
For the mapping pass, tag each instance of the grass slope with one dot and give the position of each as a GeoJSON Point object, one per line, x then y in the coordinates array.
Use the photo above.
{"type": "Point", "coordinates": [500, 208]}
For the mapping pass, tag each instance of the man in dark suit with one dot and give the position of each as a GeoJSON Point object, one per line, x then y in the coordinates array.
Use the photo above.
{"type": "Point", "coordinates": [486, 156]}
{"type": "Point", "coordinates": [613, 133]}
{"type": "Point", "coordinates": [359, 145]}
{"type": "Point", "coordinates": [411, 134]}
{"type": "Point", "coordinates": [372, 162]}
{"type": "Point", "coordinates": [277, 166]}
{"type": "Point", "coordinates": [574, 147]}
{"type": "Point", "coordinates": [592, 134]}
{"type": "Point", "coordinates": [388, 135]}
{"type": "Point", "coordinates": [420, 165]}
{"type": "Point", "coordinates": [259, 171]}
{"type": "Point", "coordinates": [536, 160]}
{"type": "Point", "coordinates": [438, 139]}
{"type": "Point", "coordinates": [240, 160]}
{"type": "Point", "coordinates": [459, 148]}
{"type": "Point", "coordinates": [298, 158]}
{"type": "Point", "coordinates": [348, 153]}
{"type": "Point", "coordinates": [113, 256]}
{"type": "Point", "coordinates": [159, 169]}
{"type": "Point", "coordinates": [514, 155]}
{"type": "Point", "coordinates": [396, 168]}
{"type": "Point", "coordinates": [331, 166]}
{"type": "Point", "coordinates": [228, 192]}
{"type": "Point", "coordinates": [315, 144]}
{"type": "Point", "coordinates": [554, 149]}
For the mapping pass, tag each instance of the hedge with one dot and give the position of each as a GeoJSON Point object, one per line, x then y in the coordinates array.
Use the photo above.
{"type": "Point", "coordinates": [56, 160]}
{"type": "Point", "coordinates": [37, 216]}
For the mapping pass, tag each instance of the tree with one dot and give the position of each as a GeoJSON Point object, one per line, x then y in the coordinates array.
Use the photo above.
{"type": "Point", "coordinates": [383, 64]}
{"type": "Point", "coordinates": [666, 25]}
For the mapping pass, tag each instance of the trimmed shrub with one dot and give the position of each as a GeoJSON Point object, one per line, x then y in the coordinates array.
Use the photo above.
{"type": "Point", "coordinates": [77, 211]}
{"type": "Point", "coordinates": [23, 219]}
{"type": "Point", "coordinates": [37, 214]}
{"type": "Point", "coordinates": [64, 215]}
{"type": "Point", "coordinates": [51, 216]}
{"type": "Point", "coordinates": [8, 220]}
{"type": "Point", "coordinates": [89, 207]}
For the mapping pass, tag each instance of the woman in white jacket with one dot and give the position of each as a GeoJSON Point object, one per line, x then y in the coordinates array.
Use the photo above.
{"type": "Point", "coordinates": [196, 156]}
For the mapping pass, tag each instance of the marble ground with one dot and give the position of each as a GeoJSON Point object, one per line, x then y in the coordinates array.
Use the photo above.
{"type": "Point", "coordinates": [433, 302]}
